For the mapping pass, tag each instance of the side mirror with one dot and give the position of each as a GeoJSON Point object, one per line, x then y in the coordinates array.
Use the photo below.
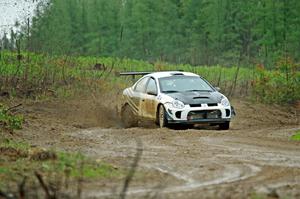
{"type": "Point", "coordinates": [218, 89]}
{"type": "Point", "coordinates": [151, 93]}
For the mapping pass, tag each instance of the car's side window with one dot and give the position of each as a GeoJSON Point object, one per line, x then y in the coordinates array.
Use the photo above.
{"type": "Point", "coordinates": [151, 87]}
{"type": "Point", "coordinates": [141, 85]}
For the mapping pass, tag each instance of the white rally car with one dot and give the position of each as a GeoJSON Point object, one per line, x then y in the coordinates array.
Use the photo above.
{"type": "Point", "coordinates": [175, 97]}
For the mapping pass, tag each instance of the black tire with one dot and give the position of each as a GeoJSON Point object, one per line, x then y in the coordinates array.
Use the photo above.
{"type": "Point", "coordinates": [224, 126]}
{"type": "Point", "coordinates": [128, 118]}
{"type": "Point", "coordinates": [162, 116]}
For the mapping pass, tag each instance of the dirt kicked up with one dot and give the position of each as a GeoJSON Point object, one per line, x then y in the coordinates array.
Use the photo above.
{"type": "Point", "coordinates": [255, 158]}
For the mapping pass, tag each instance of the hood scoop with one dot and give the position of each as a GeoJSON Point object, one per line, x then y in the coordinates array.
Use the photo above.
{"type": "Point", "coordinates": [201, 97]}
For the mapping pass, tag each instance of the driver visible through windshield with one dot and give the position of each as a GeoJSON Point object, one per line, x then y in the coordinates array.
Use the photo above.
{"type": "Point", "coordinates": [183, 84]}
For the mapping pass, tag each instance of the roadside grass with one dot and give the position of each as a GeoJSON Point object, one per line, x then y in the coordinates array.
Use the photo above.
{"type": "Point", "coordinates": [18, 159]}
{"type": "Point", "coordinates": [42, 76]}
{"type": "Point", "coordinates": [56, 173]}
{"type": "Point", "coordinates": [88, 168]}
{"type": "Point", "coordinates": [18, 145]}
{"type": "Point", "coordinates": [296, 136]}
{"type": "Point", "coordinates": [8, 120]}
{"type": "Point", "coordinates": [257, 196]}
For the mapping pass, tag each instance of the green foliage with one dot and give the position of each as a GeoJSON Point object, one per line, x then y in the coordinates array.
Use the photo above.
{"type": "Point", "coordinates": [257, 196]}
{"type": "Point", "coordinates": [18, 145]}
{"type": "Point", "coordinates": [280, 85]}
{"type": "Point", "coordinates": [296, 136]}
{"type": "Point", "coordinates": [67, 76]}
{"type": "Point", "coordinates": [73, 165]}
{"type": "Point", "coordinates": [52, 76]}
{"type": "Point", "coordinates": [9, 120]}
{"type": "Point", "coordinates": [16, 160]}
{"type": "Point", "coordinates": [197, 32]}
{"type": "Point", "coordinates": [78, 165]}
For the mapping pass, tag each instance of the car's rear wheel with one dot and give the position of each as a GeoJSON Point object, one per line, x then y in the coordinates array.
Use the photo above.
{"type": "Point", "coordinates": [128, 117]}
{"type": "Point", "coordinates": [224, 126]}
{"type": "Point", "coordinates": [162, 119]}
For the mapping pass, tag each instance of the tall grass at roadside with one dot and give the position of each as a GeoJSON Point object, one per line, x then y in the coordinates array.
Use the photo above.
{"type": "Point", "coordinates": [8, 120]}
{"type": "Point", "coordinates": [58, 174]}
{"type": "Point", "coordinates": [31, 172]}
{"type": "Point", "coordinates": [64, 75]}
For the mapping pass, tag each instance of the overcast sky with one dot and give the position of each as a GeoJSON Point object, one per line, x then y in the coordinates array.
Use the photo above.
{"type": "Point", "coordinates": [13, 10]}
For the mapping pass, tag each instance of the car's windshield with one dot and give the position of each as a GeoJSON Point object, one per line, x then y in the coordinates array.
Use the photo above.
{"type": "Point", "coordinates": [183, 84]}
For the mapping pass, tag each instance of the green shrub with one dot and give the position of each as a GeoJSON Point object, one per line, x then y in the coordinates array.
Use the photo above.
{"type": "Point", "coordinates": [296, 137]}
{"type": "Point", "coordinates": [281, 85]}
{"type": "Point", "coordinates": [8, 120]}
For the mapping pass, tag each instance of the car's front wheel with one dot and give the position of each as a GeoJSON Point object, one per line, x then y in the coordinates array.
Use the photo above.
{"type": "Point", "coordinates": [128, 117]}
{"type": "Point", "coordinates": [224, 126]}
{"type": "Point", "coordinates": [162, 119]}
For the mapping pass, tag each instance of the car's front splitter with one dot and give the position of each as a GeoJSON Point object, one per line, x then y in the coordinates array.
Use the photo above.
{"type": "Point", "coordinates": [199, 121]}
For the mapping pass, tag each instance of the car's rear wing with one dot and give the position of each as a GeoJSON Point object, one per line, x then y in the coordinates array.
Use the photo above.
{"type": "Point", "coordinates": [134, 73]}
{"type": "Point", "coordinates": [140, 73]}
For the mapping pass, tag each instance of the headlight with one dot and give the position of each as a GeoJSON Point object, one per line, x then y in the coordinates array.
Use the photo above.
{"type": "Point", "coordinates": [225, 102]}
{"type": "Point", "coordinates": [178, 104]}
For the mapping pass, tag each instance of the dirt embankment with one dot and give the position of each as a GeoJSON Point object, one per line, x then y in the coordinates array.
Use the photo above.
{"type": "Point", "coordinates": [254, 157]}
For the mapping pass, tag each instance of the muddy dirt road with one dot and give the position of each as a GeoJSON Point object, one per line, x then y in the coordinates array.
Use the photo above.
{"type": "Point", "coordinates": [207, 162]}
{"type": "Point", "coordinates": [254, 156]}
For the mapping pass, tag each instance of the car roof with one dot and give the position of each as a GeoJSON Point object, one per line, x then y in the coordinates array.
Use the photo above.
{"type": "Point", "coordinates": [170, 73]}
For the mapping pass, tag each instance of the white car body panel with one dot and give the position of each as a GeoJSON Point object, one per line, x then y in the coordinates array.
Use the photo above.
{"type": "Point", "coordinates": [146, 105]}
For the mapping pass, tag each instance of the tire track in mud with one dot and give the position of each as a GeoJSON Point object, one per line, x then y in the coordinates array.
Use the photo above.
{"type": "Point", "coordinates": [231, 162]}
{"type": "Point", "coordinates": [254, 152]}
{"type": "Point", "coordinates": [232, 159]}
{"type": "Point", "coordinates": [231, 174]}
{"type": "Point", "coordinates": [247, 152]}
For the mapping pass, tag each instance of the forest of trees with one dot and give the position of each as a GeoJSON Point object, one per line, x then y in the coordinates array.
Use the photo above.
{"type": "Point", "coordinates": [197, 32]}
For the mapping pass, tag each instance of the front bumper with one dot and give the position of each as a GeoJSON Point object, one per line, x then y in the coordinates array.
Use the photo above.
{"type": "Point", "coordinates": [199, 121]}
{"type": "Point", "coordinates": [198, 115]}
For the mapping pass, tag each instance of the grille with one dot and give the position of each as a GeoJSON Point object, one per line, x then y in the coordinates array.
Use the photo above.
{"type": "Point", "coordinates": [195, 105]}
{"type": "Point", "coordinates": [204, 114]}
{"type": "Point", "coordinates": [199, 105]}
{"type": "Point", "coordinates": [212, 104]}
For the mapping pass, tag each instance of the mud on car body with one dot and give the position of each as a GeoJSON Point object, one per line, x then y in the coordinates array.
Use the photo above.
{"type": "Point", "coordinates": [175, 97]}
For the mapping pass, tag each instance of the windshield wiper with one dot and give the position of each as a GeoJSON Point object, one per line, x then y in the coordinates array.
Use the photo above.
{"type": "Point", "coordinates": [170, 91]}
